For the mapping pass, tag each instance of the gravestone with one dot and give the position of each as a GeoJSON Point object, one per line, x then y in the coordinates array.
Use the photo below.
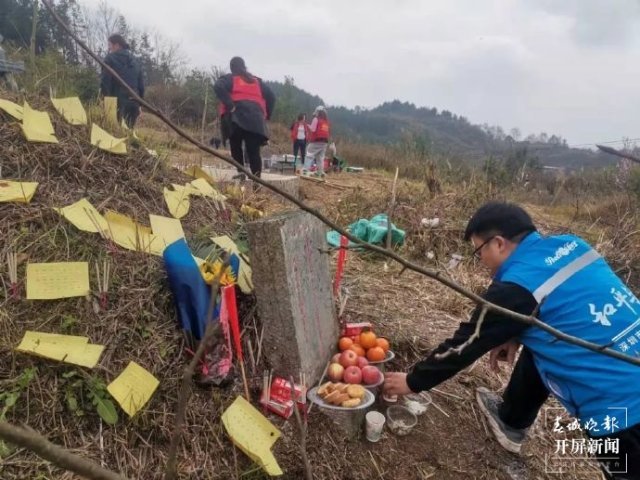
{"type": "Point", "coordinates": [293, 288]}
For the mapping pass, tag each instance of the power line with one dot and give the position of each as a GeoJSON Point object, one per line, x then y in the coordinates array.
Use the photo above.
{"type": "Point", "coordinates": [605, 143]}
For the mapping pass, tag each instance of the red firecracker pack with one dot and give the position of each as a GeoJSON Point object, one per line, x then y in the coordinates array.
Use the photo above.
{"type": "Point", "coordinates": [351, 329]}
{"type": "Point", "coordinates": [280, 401]}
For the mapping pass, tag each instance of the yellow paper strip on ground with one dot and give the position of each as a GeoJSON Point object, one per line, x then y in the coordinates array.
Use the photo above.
{"type": "Point", "coordinates": [205, 189]}
{"type": "Point", "coordinates": [107, 142]}
{"type": "Point", "coordinates": [11, 108]}
{"type": "Point", "coordinates": [37, 126]}
{"type": "Point", "coordinates": [133, 388]}
{"type": "Point", "coordinates": [177, 201]}
{"type": "Point", "coordinates": [17, 191]}
{"type": "Point", "coordinates": [84, 216]}
{"type": "Point", "coordinates": [47, 281]}
{"type": "Point", "coordinates": [167, 228]}
{"type": "Point", "coordinates": [71, 109]}
{"type": "Point", "coordinates": [32, 339]}
{"type": "Point", "coordinates": [111, 111]}
{"type": "Point", "coordinates": [197, 172]}
{"type": "Point", "coordinates": [64, 348]}
{"type": "Point", "coordinates": [252, 433]}
{"type": "Point", "coordinates": [245, 273]}
{"type": "Point", "coordinates": [129, 234]}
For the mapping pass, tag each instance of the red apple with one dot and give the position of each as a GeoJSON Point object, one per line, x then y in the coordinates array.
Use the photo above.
{"type": "Point", "coordinates": [362, 362]}
{"type": "Point", "coordinates": [335, 372]}
{"type": "Point", "coordinates": [370, 375]}
{"type": "Point", "coordinates": [352, 375]}
{"type": "Point", "coordinates": [335, 358]}
{"type": "Point", "coordinates": [348, 358]}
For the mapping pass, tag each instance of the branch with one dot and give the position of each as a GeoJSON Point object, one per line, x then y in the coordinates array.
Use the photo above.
{"type": "Point", "coordinates": [469, 341]}
{"type": "Point", "coordinates": [187, 376]}
{"type": "Point", "coordinates": [57, 455]}
{"type": "Point", "coordinates": [434, 274]}
{"type": "Point", "coordinates": [618, 153]}
{"type": "Point", "coordinates": [302, 427]}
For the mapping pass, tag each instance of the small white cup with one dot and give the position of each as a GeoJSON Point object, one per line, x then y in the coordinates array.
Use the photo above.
{"type": "Point", "coordinates": [374, 423]}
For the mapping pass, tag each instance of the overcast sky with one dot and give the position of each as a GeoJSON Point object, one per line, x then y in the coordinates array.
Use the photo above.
{"type": "Point", "coordinates": [570, 67]}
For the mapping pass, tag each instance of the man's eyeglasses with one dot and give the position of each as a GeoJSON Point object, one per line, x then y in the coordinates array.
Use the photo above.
{"type": "Point", "coordinates": [477, 252]}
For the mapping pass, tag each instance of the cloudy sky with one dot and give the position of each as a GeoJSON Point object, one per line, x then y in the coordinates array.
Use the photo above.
{"type": "Point", "coordinates": [570, 67]}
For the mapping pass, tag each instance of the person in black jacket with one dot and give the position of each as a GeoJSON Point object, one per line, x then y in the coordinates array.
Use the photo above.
{"type": "Point", "coordinates": [246, 105]}
{"type": "Point", "coordinates": [127, 67]}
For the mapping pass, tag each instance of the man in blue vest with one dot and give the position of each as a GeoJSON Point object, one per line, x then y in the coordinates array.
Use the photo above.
{"type": "Point", "coordinates": [569, 286]}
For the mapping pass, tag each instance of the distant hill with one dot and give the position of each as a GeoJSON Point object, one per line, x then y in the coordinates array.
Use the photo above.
{"type": "Point", "coordinates": [441, 132]}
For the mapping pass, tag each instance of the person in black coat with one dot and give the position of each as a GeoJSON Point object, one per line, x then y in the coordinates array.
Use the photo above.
{"type": "Point", "coordinates": [128, 68]}
{"type": "Point", "coordinates": [246, 105]}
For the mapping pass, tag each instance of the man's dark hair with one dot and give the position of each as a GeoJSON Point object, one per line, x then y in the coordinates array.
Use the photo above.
{"type": "Point", "coordinates": [118, 39]}
{"type": "Point", "coordinates": [238, 67]}
{"type": "Point", "coordinates": [301, 117]}
{"type": "Point", "coordinates": [499, 218]}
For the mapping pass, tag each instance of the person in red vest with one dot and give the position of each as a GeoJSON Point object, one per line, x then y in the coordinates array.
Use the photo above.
{"type": "Point", "coordinates": [318, 141]}
{"type": "Point", "coordinates": [246, 103]}
{"type": "Point", "coordinates": [299, 136]}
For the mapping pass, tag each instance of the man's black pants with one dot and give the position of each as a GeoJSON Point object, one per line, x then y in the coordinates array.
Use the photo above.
{"type": "Point", "coordinates": [252, 143]}
{"type": "Point", "coordinates": [300, 146]}
{"type": "Point", "coordinates": [526, 393]}
{"type": "Point", "coordinates": [129, 111]}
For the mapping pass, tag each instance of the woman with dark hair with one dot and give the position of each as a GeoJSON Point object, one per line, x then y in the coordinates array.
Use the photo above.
{"type": "Point", "coordinates": [319, 139]}
{"type": "Point", "coordinates": [246, 103]}
{"type": "Point", "coordinates": [127, 67]}
{"type": "Point", "coordinates": [299, 135]}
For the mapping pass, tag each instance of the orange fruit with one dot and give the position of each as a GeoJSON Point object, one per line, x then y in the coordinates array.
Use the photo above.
{"type": "Point", "coordinates": [368, 339]}
{"type": "Point", "coordinates": [383, 343]}
{"type": "Point", "coordinates": [375, 354]}
{"type": "Point", "coordinates": [358, 349]}
{"type": "Point", "coordinates": [344, 343]}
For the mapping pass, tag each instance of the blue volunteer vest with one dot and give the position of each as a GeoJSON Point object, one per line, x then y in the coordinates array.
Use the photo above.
{"type": "Point", "coordinates": [581, 296]}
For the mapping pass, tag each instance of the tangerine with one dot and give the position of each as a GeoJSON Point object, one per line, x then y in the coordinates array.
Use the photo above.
{"type": "Point", "coordinates": [375, 354]}
{"type": "Point", "coordinates": [344, 343]}
{"type": "Point", "coordinates": [358, 349]}
{"type": "Point", "coordinates": [368, 339]}
{"type": "Point", "coordinates": [383, 343]}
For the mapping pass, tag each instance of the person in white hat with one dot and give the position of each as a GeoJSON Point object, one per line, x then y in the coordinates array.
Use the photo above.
{"type": "Point", "coordinates": [319, 134]}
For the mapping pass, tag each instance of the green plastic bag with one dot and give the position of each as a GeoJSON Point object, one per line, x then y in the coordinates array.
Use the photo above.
{"type": "Point", "coordinates": [372, 231]}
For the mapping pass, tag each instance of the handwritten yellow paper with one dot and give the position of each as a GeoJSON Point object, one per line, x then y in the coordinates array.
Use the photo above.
{"type": "Point", "coordinates": [64, 348]}
{"type": "Point", "coordinates": [107, 142]}
{"type": "Point", "coordinates": [177, 201]}
{"type": "Point", "coordinates": [245, 273]}
{"type": "Point", "coordinates": [252, 433]}
{"type": "Point", "coordinates": [197, 172]}
{"type": "Point", "coordinates": [111, 111]}
{"type": "Point", "coordinates": [11, 108]}
{"type": "Point", "coordinates": [133, 388]}
{"type": "Point", "coordinates": [167, 228]}
{"type": "Point", "coordinates": [17, 191]}
{"type": "Point", "coordinates": [71, 110]}
{"type": "Point", "coordinates": [47, 281]}
{"type": "Point", "coordinates": [129, 234]}
{"type": "Point", "coordinates": [84, 216]}
{"type": "Point", "coordinates": [37, 126]}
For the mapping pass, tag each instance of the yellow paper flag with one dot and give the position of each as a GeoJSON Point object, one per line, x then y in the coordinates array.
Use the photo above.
{"type": "Point", "coordinates": [11, 108]}
{"type": "Point", "coordinates": [127, 233]}
{"type": "Point", "coordinates": [64, 348]}
{"type": "Point", "coordinates": [84, 216]}
{"type": "Point", "coordinates": [47, 281]}
{"type": "Point", "coordinates": [168, 229]}
{"type": "Point", "coordinates": [17, 191]}
{"type": "Point", "coordinates": [177, 201]}
{"type": "Point", "coordinates": [107, 142]}
{"type": "Point", "coordinates": [245, 273]}
{"type": "Point", "coordinates": [71, 109]}
{"type": "Point", "coordinates": [37, 126]}
{"type": "Point", "coordinates": [133, 388]}
{"type": "Point", "coordinates": [252, 433]}
{"type": "Point", "coordinates": [111, 111]}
